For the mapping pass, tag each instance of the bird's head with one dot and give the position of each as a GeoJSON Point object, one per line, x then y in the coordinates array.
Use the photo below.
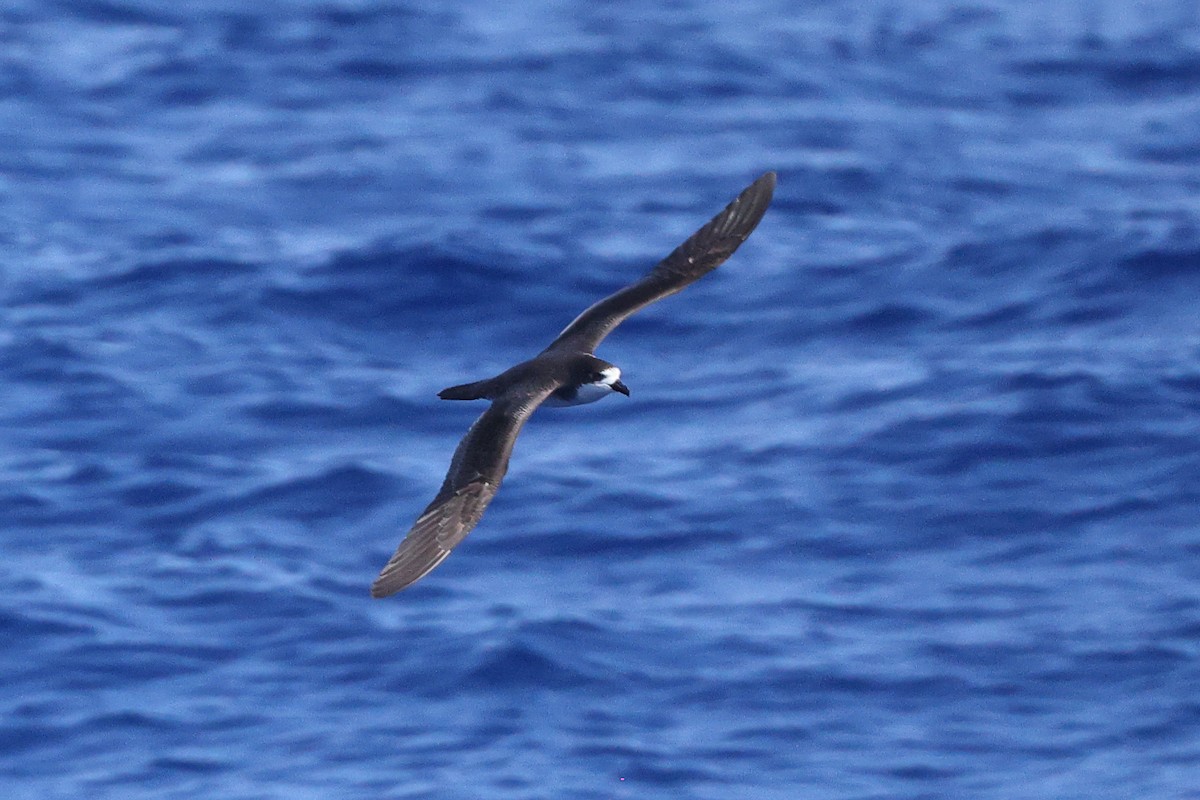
{"type": "Point", "coordinates": [598, 373]}
{"type": "Point", "coordinates": [609, 378]}
{"type": "Point", "coordinates": [591, 379]}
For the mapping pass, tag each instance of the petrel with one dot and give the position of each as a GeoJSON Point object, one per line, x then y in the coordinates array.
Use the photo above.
{"type": "Point", "coordinates": [565, 373]}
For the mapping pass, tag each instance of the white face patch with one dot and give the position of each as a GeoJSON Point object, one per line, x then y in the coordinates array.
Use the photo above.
{"type": "Point", "coordinates": [589, 392]}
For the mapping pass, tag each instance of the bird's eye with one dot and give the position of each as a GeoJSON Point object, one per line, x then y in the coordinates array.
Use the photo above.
{"type": "Point", "coordinates": [596, 377]}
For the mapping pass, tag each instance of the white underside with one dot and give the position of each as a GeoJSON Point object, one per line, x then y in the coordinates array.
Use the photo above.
{"type": "Point", "coordinates": [588, 393]}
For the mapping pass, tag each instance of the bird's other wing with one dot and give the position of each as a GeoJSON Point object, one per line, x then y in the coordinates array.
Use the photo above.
{"type": "Point", "coordinates": [703, 252]}
{"type": "Point", "coordinates": [475, 473]}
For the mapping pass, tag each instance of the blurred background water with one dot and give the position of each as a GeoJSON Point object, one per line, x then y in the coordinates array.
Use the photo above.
{"type": "Point", "coordinates": [904, 502]}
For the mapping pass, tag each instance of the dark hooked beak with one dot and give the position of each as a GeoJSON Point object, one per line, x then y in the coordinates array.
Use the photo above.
{"type": "Point", "coordinates": [617, 386]}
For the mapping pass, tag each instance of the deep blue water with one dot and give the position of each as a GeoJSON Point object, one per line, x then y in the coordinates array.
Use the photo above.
{"type": "Point", "coordinates": [905, 502]}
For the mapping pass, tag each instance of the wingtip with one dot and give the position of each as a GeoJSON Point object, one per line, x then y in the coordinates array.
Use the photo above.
{"type": "Point", "coordinates": [742, 216]}
{"type": "Point", "coordinates": [766, 182]}
{"type": "Point", "coordinates": [389, 583]}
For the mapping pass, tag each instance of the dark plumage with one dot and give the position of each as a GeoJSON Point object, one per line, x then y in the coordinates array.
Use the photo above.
{"type": "Point", "coordinates": [566, 372]}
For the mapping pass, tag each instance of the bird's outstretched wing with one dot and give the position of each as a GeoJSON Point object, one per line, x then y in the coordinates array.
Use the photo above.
{"type": "Point", "coordinates": [703, 252]}
{"type": "Point", "coordinates": [475, 473]}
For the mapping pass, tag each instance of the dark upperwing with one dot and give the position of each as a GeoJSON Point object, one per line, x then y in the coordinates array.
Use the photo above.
{"type": "Point", "coordinates": [476, 470]}
{"type": "Point", "coordinates": [703, 252]}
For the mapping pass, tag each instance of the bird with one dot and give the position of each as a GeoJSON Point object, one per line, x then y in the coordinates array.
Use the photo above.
{"type": "Point", "coordinates": [566, 373]}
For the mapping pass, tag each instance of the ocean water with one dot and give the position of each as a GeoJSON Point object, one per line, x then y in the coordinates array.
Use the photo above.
{"type": "Point", "coordinates": [905, 502]}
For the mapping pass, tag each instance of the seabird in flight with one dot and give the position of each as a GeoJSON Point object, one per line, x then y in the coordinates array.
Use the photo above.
{"type": "Point", "coordinates": [565, 373]}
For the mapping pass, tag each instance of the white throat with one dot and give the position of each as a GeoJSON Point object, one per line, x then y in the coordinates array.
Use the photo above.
{"type": "Point", "coordinates": [589, 392]}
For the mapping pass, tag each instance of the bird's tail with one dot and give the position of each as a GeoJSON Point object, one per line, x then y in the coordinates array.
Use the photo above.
{"type": "Point", "coordinates": [468, 391]}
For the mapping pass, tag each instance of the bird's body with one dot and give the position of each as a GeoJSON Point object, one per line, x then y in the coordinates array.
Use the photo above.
{"type": "Point", "coordinates": [565, 373]}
